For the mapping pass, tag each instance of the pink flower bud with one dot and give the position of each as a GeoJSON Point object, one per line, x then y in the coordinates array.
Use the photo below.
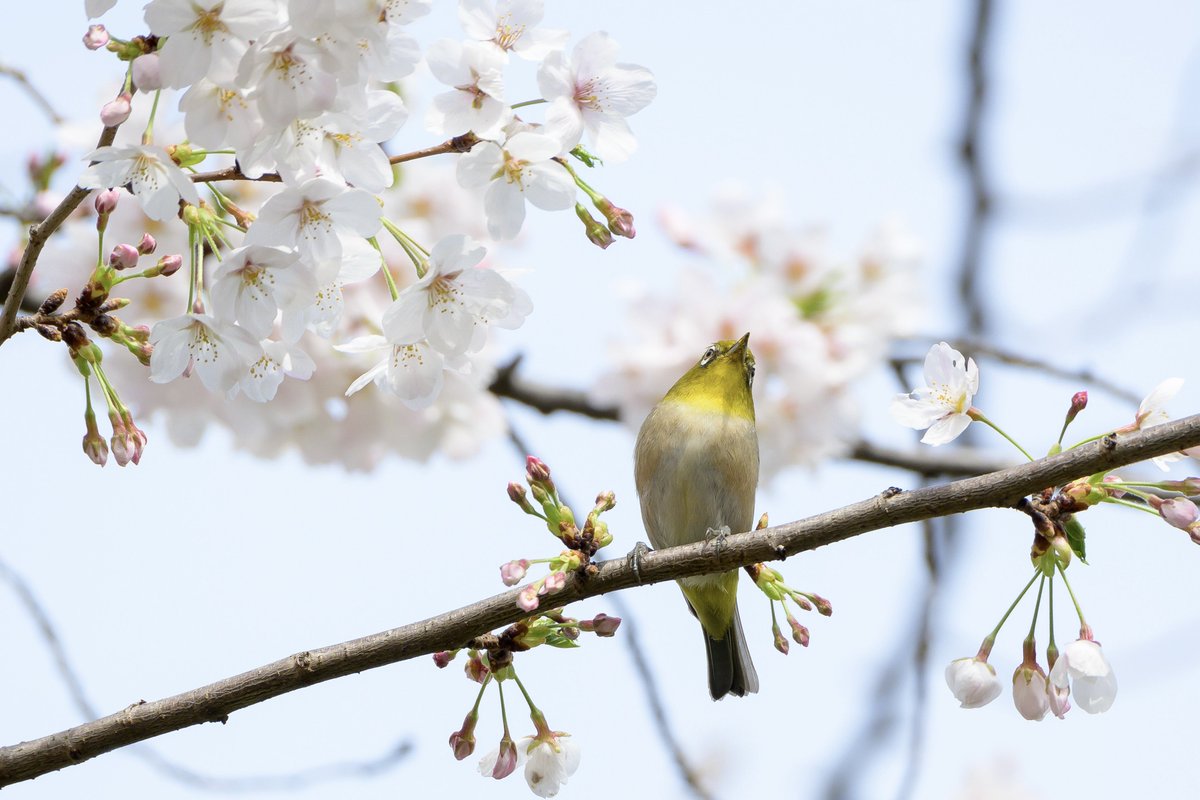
{"type": "Point", "coordinates": [620, 221]}
{"type": "Point", "coordinates": [824, 607]}
{"type": "Point", "coordinates": [169, 265]}
{"type": "Point", "coordinates": [781, 642]}
{"type": "Point", "coordinates": [555, 581]}
{"type": "Point", "coordinates": [147, 245]}
{"type": "Point", "coordinates": [1179, 512]}
{"type": "Point", "coordinates": [114, 112]}
{"type": "Point", "coordinates": [799, 632]}
{"type": "Point", "coordinates": [106, 201]}
{"type": "Point", "coordinates": [146, 75]}
{"type": "Point", "coordinates": [602, 625]}
{"type": "Point", "coordinates": [123, 256]}
{"type": "Point", "coordinates": [93, 443]}
{"type": "Point", "coordinates": [96, 37]}
{"type": "Point", "coordinates": [512, 572]}
{"type": "Point", "coordinates": [475, 669]}
{"type": "Point", "coordinates": [462, 742]}
{"type": "Point", "coordinates": [506, 759]}
{"type": "Point", "coordinates": [442, 658]}
{"type": "Point", "coordinates": [537, 470]}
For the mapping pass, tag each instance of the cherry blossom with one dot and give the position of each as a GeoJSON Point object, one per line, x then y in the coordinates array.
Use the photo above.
{"type": "Point", "coordinates": [154, 178]}
{"type": "Point", "coordinates": [550, 760]}
{"type": "Point", "coordinates": [591, 92]}
{"type": "Point", "coordinates": [207, 38]}
{"type": "Point", "coordinates": [215, 116]}
{"type": "Point", "coordinates": [1092, 680]}
{"type": "Point", "coordinates": [476, 102]}
{"type": "Point", "coordinates": [1031, 691]}
{"type": "Point", "coordinates": [942, 404]}
{"type": "Point", "coordinates": [510, 25]}
{"type": "Point", "coordinates": [315, 217]}
{"type": "Point", "coordinates": [453, 304]}
{"type": "Point", "coordinates": [254, 282]}
{"type": "Point", "coordinates": [219, 352]}
{"type": "Point", "coordinates": [521, 170]}
{"type": "Point", "coordinates": [413, 372]}
{"type": "Point", "coordinates": [289, 76]}
{"type": "Point", "coordinates": [262, 379]}
{"type": "Point", "coordinates": [973, 682]}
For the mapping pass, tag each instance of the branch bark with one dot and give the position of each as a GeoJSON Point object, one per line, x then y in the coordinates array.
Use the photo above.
{"type": "Point", "coordinates": [216, 701]}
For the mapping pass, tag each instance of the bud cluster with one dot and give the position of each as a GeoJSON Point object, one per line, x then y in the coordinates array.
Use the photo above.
{"type": "Point", "coordinates": [771, 583]}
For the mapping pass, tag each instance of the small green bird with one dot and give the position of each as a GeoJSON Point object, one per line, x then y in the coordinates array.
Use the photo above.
{"type": "Point", "coordinates": [696, 470]}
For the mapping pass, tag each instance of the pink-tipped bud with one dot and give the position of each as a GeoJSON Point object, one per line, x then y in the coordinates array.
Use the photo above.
{"type": "Point", "coordinates": [537, 470]}
{"type": "Point", "coordinates": [147, 245]}
{"type": "Point", "coordinates": [506, 760]}
{"type": "Point", "coordinates": [96, 37]}
{"type": "Point", "coordinates": [114, 112]}
{"type": "Point", "coordinates": [527, 600]}
{"type": "Point", "coordinates": [799, 632]}
{"type": "Point", "coordinates": [606, 501]}
{"type": "Point", "coordinates": [442, 658]}
{"type": "Point", "coordinates": [137, 441]}
{"type": "Point", "coordinates": [462, 742]}
{"type": "Point", "coordinates": [169, 265]}
{"type": "Point", "coordinates": [121, 445]}
{"type": "Point", "coordinates": [512, 572]}
{"type": "Point", "coordinates": [1179, 512]}
{"type": "Point", "coordinates": [597, 234]}
{"type": "Point", "coordinates": [146, 74]}
{"type": "Point", "coordinates": [93, 443]}
{"type": "Point", "coordinates": [1078, 403]}
{"type": "Point", "coordinates": [123, 256]}
{"type": "Point", "coordinates": [781, 642]}
{"type": "Point", "coordinates": [620, 221]}
{"type": "Point", "coordinates": [824, 607]}
{"type": "Point", "coordinates": [106, 201]}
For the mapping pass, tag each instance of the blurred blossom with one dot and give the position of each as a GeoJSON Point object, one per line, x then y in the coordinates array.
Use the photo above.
{"type": "Point", "coordinates": [812, 334]}
{"type": "Point", "coordinates": [1092, 680]}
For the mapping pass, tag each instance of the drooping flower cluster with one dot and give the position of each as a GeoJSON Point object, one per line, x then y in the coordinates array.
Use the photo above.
{"type": "Point", "coordinates": [818, 322]}
{"type": "Point", "coordinates": [303, 92]}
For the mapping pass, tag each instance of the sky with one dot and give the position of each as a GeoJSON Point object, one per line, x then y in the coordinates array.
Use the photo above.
{"type": "Point", "coordinates": [204, 562]}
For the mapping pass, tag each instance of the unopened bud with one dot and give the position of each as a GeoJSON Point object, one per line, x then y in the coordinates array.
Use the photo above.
{"type": "Point", "coordinates": [597, 234]}
{"type": "Point", "coordinates": [605, 501]}
{"type": "Point", "coordinates": [462, 742]}
{"type": "Point", "coordinates": [116, 111]}
{"type": "Point", "coordinates": [512, 572]}
{"type": "Point", "coordinates": [555, 581]}
{"type": "Point", "coordinates": [53, 301]}
{"type": "Point", "coordinates": [146, 74]}
{"type": "Point", "coordinates": [799, 632]}
{"type": "Point", "coordinates": [1078, 403]}
{"type": "Point", "coordinates": [1179, 512]}
{"type": "Point", "coordinates": [537, 471]}
{"type": "Point", "coordinates": [506, 760]}
{"type": "Point", "coordinates": [167, 265]}
{"type": "Point", "coordinates": [105, 325]}
{"type": "Point", "coordinates": [1062, 548]}
{"type": "Point", "coordinates": [620, 221]}
{"type": "Point", "coordinates": [106, 201]}
{"type": "Point", "coordinates": [781, 643]}
{"type": "Point", "coordinates": [48, 332]}
{"type": "Point", "coordinates": [74, 336]}
{"type": "Point", "coordinates": [96, 37]}
{"type": "Point", "coordinates": [147, 245]}
{"type": "Point", "coordinates": [123, 256]}
{"type": "Point", "coordinates": [93, 443]}
{"type": "Point", "coordinates": [442, 658]}
{"type": "Point", "coordinates": [601, 625]}
{"type": "Point", "coordinates": [824, 607]}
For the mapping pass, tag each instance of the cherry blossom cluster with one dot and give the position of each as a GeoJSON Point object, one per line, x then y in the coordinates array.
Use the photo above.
{"type": "Point", "coordinates": [1079, 673]}
{"type": "Point", "coordinates": [820, 322]}
{"type": "Point", "coordinates": [301, 94]}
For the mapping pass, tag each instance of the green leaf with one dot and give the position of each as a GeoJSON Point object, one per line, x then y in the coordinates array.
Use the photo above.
{"type": "Point", "coordinates": [1075, 537]}
{"type": "Point", "coordinates": [587, 158]}
{"type": "Point", "coordinates": [558, 640]}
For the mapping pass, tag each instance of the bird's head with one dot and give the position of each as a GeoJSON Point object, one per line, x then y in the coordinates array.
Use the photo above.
{"type": "Point", "coordinates": [720, 380]}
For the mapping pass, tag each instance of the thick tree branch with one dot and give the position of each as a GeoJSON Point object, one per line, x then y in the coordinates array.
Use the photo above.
{"type": "Point", "coordinates": [215, 702]}
{"type": "Point", "coordinates": [38, 236]}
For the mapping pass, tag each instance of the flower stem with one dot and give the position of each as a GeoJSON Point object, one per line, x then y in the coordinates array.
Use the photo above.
{"type": "Point", "coordinates": [503, 708]}
{"type": "Point", "coordinates": [1004, 619]}
{"type": "Point", "coordinates": [1036, 608]}
{"type": "Point", "coordinates": [1070, 591]}
{"type": "Point", "coordinates": [148, 134]}
{"type": "Point", "coordinates": [978, 416]}
{"type": "Point", "coordinates": [1118, 501]}
{"type": "Point", "coordinates": [479, 697]}
{"type": "Point", "coordinates": [417, 254]}
{"type": "Point", "coordinates": [540, 100]}
{"type": "Point", "coordinates": [387, 273]}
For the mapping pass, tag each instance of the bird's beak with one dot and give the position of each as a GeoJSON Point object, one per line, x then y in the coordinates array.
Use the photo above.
{"type": "Point", "coordinates": [741, 343]}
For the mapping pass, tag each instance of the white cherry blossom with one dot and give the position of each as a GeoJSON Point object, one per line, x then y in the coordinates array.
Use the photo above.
{"type": "Point", "coordinates": [476, 101]}
{"type": "Point", "coordinates": [207, 38]}
{"type": "Point", "coordinates": [510, 25]}
{"type": "Point", "coordinates": [549, 762]}
{"type": "Point", "coordinates": [321, 311]}
{"type": "Point", "coordinates": [413, 372]}
{"type": "Point", "coordinates": [1092, 680]}
{"type": "Point", "coordinates": [942, 404]}
{"type": "Point", "coordinates": [261, 381]}
{"type": "Point", "coordinates": [254, 282]}
{"type": "Point", "coordinates": [317, 218]}
{"type": "Point", "coordinates": [216, 117]}
{"type": "Point", "coordinates": [290, 77]}
{"type": "Point", "coordinates": [453, 304]}
{"type": "Point", "coordinates": [219, 352]}
{"type": "Point", "coordinates": [591, 92]}
{"type": "Point", "coordinates": [1031, 692]}
{"type": "Point", "coordinates": [154, 178]}
{"type": "Point", "coordinates": [521, 170]}
{"type": "Point", "coordinates": [973, 682]}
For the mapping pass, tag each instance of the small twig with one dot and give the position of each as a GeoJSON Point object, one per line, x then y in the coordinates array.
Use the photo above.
{"type": "Point", "coordinates": [459, 144]}
{"type": "Point", "coordinates": [216, 701]}
{"type": "Point", "coordinates": [547, 399]}
{"type": "Point", "coordinates": [978, 224]}
{"type": "Point", "coordinates": [38, 98]}
{"type": "Point", "coordinates": [38, 236]}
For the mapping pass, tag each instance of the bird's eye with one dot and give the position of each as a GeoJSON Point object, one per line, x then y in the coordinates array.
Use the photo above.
{"type": "Point", "coordinates": [708, 356]}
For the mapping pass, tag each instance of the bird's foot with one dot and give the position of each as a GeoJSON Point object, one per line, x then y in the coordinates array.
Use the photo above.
{"type": "Point", "coordinates": [717, 537]}
{"type": "Point", "coordinates": [634, 559]}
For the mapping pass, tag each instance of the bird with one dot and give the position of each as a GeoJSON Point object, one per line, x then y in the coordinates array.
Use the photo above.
{"type": "Point", "coordinates": [696, 472]}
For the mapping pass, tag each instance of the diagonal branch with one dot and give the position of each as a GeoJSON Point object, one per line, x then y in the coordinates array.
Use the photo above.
{"type": "Point", "coordinates": [216, 701]}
